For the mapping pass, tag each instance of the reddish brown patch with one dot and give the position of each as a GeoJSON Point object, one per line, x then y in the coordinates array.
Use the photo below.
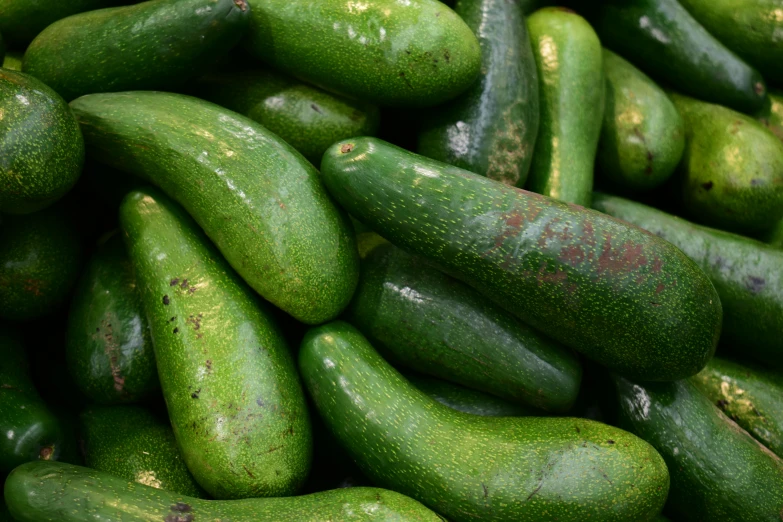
{"type": "Point", "coordinates": [346, 148]}
{"type": "Point", "coordinates": [659, 288]}
{"type": "Point", "coordinates": [33, 286]}
{"type": "Point", "coordinates": [657, 264]}
{"type": "Point", "coordinates": [46, 453]}
{"type": "Point", "coordinates": [546, 277]}
{"type": "Point", "coordinates": [572, 254]}
{"type": "Point", "coordinates": [625, 259]}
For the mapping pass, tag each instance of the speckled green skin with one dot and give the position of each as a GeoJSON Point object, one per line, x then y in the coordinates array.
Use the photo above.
{"type": "Point", "coordinates": [411, 53]}
{"type": "Point", "coordinates": [306, 117]}
{"type": "Point", "coordinates": [257, 199]}
{"type": "Point", "coordinates": [105, 498]}
{"type": "Point", "coordinates": [425, 320]}
{"type": "Point", "coordinates": [469, 467]}
{"type": "Point", "coordinates": [662, 39]}
{"type": "Point", "coordinates": [732, 168]}
{"type": "Point", "coordinates": [643, 135]}
{"type": "Point", "coordinates": [157, 44]}
{"type": "Point", "coordinates": [13, 60]}
{"type": "Point", "coordinates": [469, 401]}
{"type": "Point", "coordinates": [718, 471]}
{"type": "Point", "coordinates": [230, 384]}
{"type": "Point", "coordinates": [132, 443]}
{"type": "Point", "coordinates": [28, 429]}
{"type": "Point", "coordinates": [751, 395]}
{"type": "Point", "coordinates": [492, 128]}
{"type": "Point", "coordinates": [746, 274]}
{"type": "Point", "coordinates": [621, 296]}
{"type": "Point", "coordinates": [108, 344]}
{"type": "Point", "coordinates": [41, 146]}
{"type": "Point", "coordinates": [40, 259]}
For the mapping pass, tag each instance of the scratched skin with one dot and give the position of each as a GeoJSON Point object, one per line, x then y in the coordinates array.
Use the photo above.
{"type": "Point", "coordinates": [232, 392]}
{"type": "Point", "coordinates": [612, 291]}
{"type": "Point", "coordinates": [56, 492]}
{"type": "Point", "coordinates": [469, 467]}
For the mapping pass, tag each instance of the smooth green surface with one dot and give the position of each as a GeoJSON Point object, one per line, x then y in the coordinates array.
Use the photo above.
{"type": "Point", "coordinates": [469, 467]}
{"type": "Point", "coordinates": [13, 60]}
{"type": "Point", "coordinates": [41, 147]}
{"type": "Point", "coordinates": [157, 44]}
{"type": "Point", "coordinates": [423, 319]}
{"type": "Point", "coordinates": [232, 392]}
{"type": "Point", "coordinates": [746, 274]}
{"type": "Point", "coordinates": [750, 394]}
{"type": "Point", "coordinates": [643, 135]}
{"type": "Point", "coordinates": [492, 128]}
{"type": "Point", "coordinates": [108, 344]}
{"type": "Point", "coordinates": [132, 443]}
{"type": "Point", "coordinates": [621, 296]}
{"type": "Point", "coordinates": [572, 87]}
{"type": "Point", "coordinates": [390, 52]}
{"type": "Point", "coordinates": [663, 39]}
{"type": "Point", "coordinates": [718, 471]}
{"type": "Point", "coordinates": [732, 168]}
{"type": "Point", "coordinates": [105, 498]}
{"type": "Point", "coordinates": [258, 200]}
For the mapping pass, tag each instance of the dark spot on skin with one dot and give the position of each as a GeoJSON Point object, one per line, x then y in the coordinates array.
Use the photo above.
{"type": "Point", "coordinates": [176, 330]}
{"type": "Point", "coordinates": [755, 284]}
{"type": "Point", "coordinates": [707, 186]}
{"type": "Point", "coordinates": [97, 329]}
{"type": "Point", "coordinates": [447, 56]}
{"type": "Point", "coordinates": [437, 14]}
{"type": "Point", "coordinates": [756, 182]}
{"type": "Point", "coordinates": [174, 282]}
{"type": "Point", "coordinates": [181, 507]}
{"type": "Point", "coordinates": [659, 288]}
{"type": "Point", "coordinates": [195, 394]}
{"type": "Point", "coordinates": [407, 82]}
{"type": "Point", "coordinates": [486, 491]}
{"type": "Point", "coordinates": [721, 404]}
{"type": "Point", "coordinates": [347, 147]}
{"type": "Point", "coordinates": [166, 300]}
{"type": "Point", "coordinates": [538, 488]}
{"type": "Point", "coordinates": [260, 402]}
{"type": "Point", "coordinates": [653, 303]}
{"type": "Point", "coordinates": [316, 108]}
{"type": "Point", "coordinates": [610, 441]}
{"type": "Point", "coordinates": [173, 319]}
{"type": "Point", "coordinates": [758, 87]}
{"type": "Point", "coordinates": [46, 453]}
{"type": "Point", "coordinates": [577, 429]}
{"type": "Point", "coordinates": [209, 365]}
{"type": "Point", "coordinates": [248, 472]}
{"type": "Point", "coordinates": [184, 283]}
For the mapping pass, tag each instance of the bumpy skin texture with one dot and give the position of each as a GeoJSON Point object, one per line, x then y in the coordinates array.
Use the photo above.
{"type": "Point", "coordinates": [428, 321]}
{"type": "Point", "coordinates": [257, 199]}
{"type": "Point", "coordinates": [621, 296]}
{"type": "Point", "coordinates": [718, 471]}
{"type": "Point", "coordinates": [131, 443]}
{"type": "Point", "coordinates": [231, 388]}
{"type": "Point", "coordinates": [411, 53]}
{"type": "Point", "coordinates": [643, 135]}
{"type": "Point", "coordinates": [152, 45]}
{"type": "Point", "coordinates": [306, 117]}
{"type": "Point", "coordinates": [572, 86]}
{"type": "Point", "coordinates": [29, 430]}
{"type": "Point", "coordinates": [108, 344]}
{"type": "Point", "coordinates": [469, 467]}
{"type": "Point", "coordinates": [40, 258]}
{"type": "Point", "coordinates": [662, 38]}
{"type": "Point", "coordinates": [750, 395]}
{"type": "Point", "coordinates": [105, 498]}
{"type": "Point", "coordinates": [41, 146]}
{"type": "Point", "coordinates": [746, 274]}
{"type": "Point", "coordinates": [492, 128]}
{"type": "Point", "coordinates": [732, 168]}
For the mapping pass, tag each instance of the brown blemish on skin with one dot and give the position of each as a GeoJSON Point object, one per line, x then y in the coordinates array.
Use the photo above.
{"type": "Point", "coordinates": [627, 258]}
{"type": "Point", "coordinates": [166, 300]}
{"type": "Point", "coordinates": [195, 394]}
{"type": "Point", "coordinates": [46, 453]}
{"type": "Point", "coordinates": [181, 507]}
{"type": "Point", "coordinates": [708, 185]}
{"type": "Point", "coordinates": [174, 282]}
{"type": "Point", "coordinates": [346, 148]}
{"type": "Point", "coordinates": [33, 286]}
{"type": "Point", "coordinates": [758, 88]}
{"type": "Point", "coordinates": [241, 4]}
{"type": "Point", "coordinates": [316, 108]}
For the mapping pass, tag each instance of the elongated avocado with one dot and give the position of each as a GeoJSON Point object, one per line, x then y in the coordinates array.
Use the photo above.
{"type": "Point", "coordinates": [79, 494]}
{"type": "Point", "coordinates": [496, 468]}
{"type": "Point", "coordinates": [389, 52]}
{"type": "Point", "coordinates": [259, 201]}
{"type": "Point", "coordinates": [492, 128]}
{"type": "Point", "coordinates": [621, 296]}
{"type": "Point", "coordinates": [156, 44]}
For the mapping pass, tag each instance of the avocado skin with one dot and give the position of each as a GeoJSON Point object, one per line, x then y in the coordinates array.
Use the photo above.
{"type": "Point", "coordinates": [13, 60]}
{"type": "Point", "coordinates": [771, 116]}
{"type": "Point", "coordinates": [491, 129]}
{"type": "Point", "coordinates": [665, 41]}
{"type": "Point", "coordinates": [41, 146]}
{"type": "Point", "coordinates": [158, 44]}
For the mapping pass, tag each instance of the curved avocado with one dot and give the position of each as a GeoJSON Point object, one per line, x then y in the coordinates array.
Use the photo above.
{"type": "Point", "coordinates": [259, 201]}
{"type": "Point", "coordinates": [621, 296]}
{"type": "Point", "coordinates": [41, 146]}
{"type": "Point", "coordinates": [157, 44]}
{"type": "Point", "coordinates": [306, 117]}
{"type": "Point", "coordinates": [498, 468]}
{"type": "Point", "coordinates": [750, 395]}
{"type": "Point", "coordinates": [425, 320]}
{"type": "Point", "coordinates": [663, 39]}
{"type": "Point", "coordinates": [40, 259]}
{"type": "Point", "coordinates": [744, 272]}
{"type": "Point", "coordinates": [79, 494]}
{"type": "Point", "coordinates": [30, 430]}
{"type": "Point", "coordinates": [492, 128]}
{"type": "Point", "coordinates": [389, 52]}
{"type": "Point", "coordinates": [108, 344]}
{"type": "Point", "coordinates": [718, 471]}
{"type": "Point", "coordinates": [233, 395]}
{"type": "Point", "coordinates": [132, 443]}
{"type": "Point", "coordinates": [643, 135]}
{"type": "Point", "coordinates": [13, 61]}
{"type": "Point", "coordinates": [572, 87]}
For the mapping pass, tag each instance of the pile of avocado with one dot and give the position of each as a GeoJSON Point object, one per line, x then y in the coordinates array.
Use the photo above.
{"type": "Point", "coordinates": [391, 260]}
